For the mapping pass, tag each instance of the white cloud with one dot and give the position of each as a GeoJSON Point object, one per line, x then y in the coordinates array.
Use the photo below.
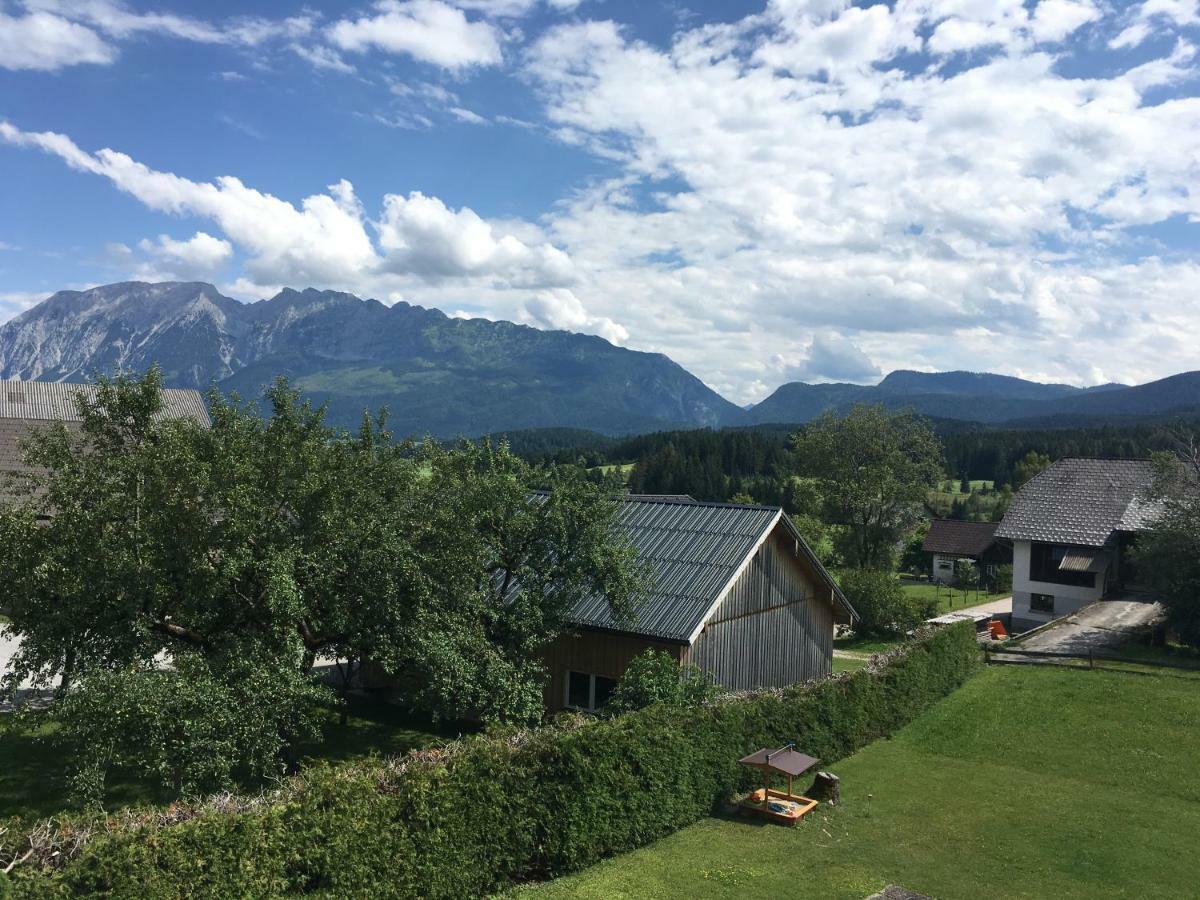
{"type": "Point", "coordinates": [1147, 17]}
{"type": "Point", "coordinates": [560, 309]}
{"type": "Point", "coordinates": [1053, 20]}
{"type": "Point", "coordinates": [15, 302]}
{"type": "Point", "coordinates": [42, 41]}
{"type": "Point", "coordinates": [326, 240]}
{"type": "Point", "coordinates": [322, 57]}
{"type": "Point", "coordinates": [831, 357]}
{"type": "Point", "coordinates": [201, 257]}
{"type": "Point", "coordinates": [120, 21]}
{"type": "Point", "coordinates": [814, 191]}
{"type": "Point", "coordinates": [428, 30]}
{"type": "Point", "coordinates": [422, 235]}
{"type": "Point", "coordinates": [468, 116]}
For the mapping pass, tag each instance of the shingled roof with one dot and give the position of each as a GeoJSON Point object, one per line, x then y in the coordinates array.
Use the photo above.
{"type": "Point", "coordinates": [693, 550]}
{"type": "Point", "coordinates": [951, 537]}
{"type": "Point", "coordinates": [1082, 502]}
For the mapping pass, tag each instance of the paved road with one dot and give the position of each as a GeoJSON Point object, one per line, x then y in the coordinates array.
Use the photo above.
{"type": "Point", "coordinates": [1097, 626]}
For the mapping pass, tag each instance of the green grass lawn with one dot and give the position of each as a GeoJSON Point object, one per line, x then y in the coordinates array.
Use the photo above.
{"type": "Point", "coordinates": [954, 485]}
{"type": "Point", "coordinates": [950, 599]}
{"type": "Point", "coordinates": [846, 664]}
{"type": "Point", "coordinates": [1029, 782]}
{"type": "Point", "coordinates": [32, 771]}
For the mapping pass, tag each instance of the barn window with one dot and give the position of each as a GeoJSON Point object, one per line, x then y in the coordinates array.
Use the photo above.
{"type": "Point", "coordinates": [588, 692]}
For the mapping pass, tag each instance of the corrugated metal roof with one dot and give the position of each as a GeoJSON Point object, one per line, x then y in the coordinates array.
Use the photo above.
{"type": "Point", "coordinates": [692, 550]}
{"type": "Point", "coordinates": [1094, 561]}
{"type": "Point", "coordinates": [55, 401]}
{"type": "Point", "coordinates": [27, 405]}
{"type": "Point", "coordinates": [1082, 502]}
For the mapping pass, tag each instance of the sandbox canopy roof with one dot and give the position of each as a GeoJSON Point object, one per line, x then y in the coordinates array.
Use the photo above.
{"type": "Point", "coordinates": [786, 761]}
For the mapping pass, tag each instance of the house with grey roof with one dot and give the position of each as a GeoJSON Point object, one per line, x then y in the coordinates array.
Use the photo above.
{"type": "Point", "coordinates": [28, 405]}
{"type": "Point", "coordinates": [1072, 527]}
{"type": "Point", "coordinates": [949, 540]}
{"type": "Point", "coordinates": [733, 589]}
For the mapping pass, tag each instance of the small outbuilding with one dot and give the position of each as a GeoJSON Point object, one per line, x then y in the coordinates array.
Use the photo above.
{"type": "Point", "coordinates": [950, 540]}
{"type": "Point", "coordinates": [734, 590]}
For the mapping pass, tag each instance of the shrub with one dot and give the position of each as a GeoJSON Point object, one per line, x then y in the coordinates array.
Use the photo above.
{"type": "Point", "coordinates": [487, 811]}
{"type": "Point", "coordinates": [1002, 581]}
{"type": "Point", "coordinates": [881, 603]}
{"type": "Point", "coordinates": [186, 728]}
{"type": "Point", "coordinates": [656, 677]}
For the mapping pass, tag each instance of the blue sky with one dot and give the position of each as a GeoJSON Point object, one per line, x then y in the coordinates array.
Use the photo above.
{"type": "Point", "coordinates": [770, 191]}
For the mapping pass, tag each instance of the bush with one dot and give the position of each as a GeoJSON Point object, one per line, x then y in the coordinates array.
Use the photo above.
{"type": "Point", "coordinates": [656, 677]}
{"type": "Point", "coordinates": [186, 728]}
{"type": "Point", "coordinates": [882, 605]}
{"type": "Point", "coordinates": [1003, 579]}
{"type": "Point", "coordinates": [487, 811]}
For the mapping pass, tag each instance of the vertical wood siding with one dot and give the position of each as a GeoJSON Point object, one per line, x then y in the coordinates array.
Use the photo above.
{"type": "Point", "coordinates": [774, 628]}
{"type": "Point", "coordinates": [594, 653]}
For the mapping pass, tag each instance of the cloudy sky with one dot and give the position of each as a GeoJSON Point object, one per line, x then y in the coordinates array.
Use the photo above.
{"type": "Point", "coordinates": [807, 189]}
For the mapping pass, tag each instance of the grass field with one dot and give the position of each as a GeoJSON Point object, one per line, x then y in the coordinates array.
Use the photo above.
{"type": "Point", "coordinates": [949, 599]}
{"type": "Point", "coordinates": [954, 486]}
{"type": "Point", "coordinates": [33, 786]}
{"type": "Point", "coordinates": [1029, 782]}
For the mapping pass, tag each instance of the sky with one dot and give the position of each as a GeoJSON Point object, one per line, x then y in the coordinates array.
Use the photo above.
{"type": "Point", "coordinates": [765, 191]}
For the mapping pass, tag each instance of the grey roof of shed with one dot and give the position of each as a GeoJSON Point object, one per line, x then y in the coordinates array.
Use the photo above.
{"type": "Point", "coordinates": [26, 405]}
{"type": "Point", "coordinates": [50, 401]}
{"type": "Point", "coordinates": [1082, 502]}
{"type": "Point", "coordinates": [693, 550]}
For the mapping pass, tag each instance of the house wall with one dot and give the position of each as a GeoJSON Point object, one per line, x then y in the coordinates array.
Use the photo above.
{"type": "Point", "coordinates": [775, 626]}
{"type": "Point", "coordinates": [594, 653]}
{"type": "Point", "coordinates": [943, 569]}
{"type": "Point", "coordinates": [1067, 598]}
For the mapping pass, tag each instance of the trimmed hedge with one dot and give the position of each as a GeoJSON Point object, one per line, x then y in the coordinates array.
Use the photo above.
{"type": "Point", "coordinates": [488, 811]}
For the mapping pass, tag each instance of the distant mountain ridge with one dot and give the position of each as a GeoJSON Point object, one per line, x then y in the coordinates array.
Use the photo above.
{"type": "Point", "coordinates": [448, 377]}
{"type": "Point", "coordinates": [986, 398]}
{"type": "Point", "coordinates": [437, 374]}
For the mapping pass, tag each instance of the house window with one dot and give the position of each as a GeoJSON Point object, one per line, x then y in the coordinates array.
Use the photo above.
{"type": "Point", "coordinates": [1044, 562]}
{"type": "Point", "coordinates": [1041, 603]}
{"type": "Point", "coordinates": [588, 692]}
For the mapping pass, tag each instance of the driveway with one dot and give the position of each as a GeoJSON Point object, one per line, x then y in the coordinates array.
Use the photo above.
{"type": "Point", "coordinates": [1098, 626]}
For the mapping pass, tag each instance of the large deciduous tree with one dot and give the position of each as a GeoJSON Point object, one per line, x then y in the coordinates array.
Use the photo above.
{"type": "Point", "coordinates": [873, 470]}
{"type": "Point", "coordinates": [1168, 555]}
{"type": "Point", "coordinates": [269, 539]}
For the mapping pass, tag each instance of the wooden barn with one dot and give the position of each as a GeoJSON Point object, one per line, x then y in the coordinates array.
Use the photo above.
{"type": "Point", "coordinates": [734, 590]}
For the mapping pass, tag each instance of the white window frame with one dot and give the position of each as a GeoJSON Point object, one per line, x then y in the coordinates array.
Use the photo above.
{"type": "Point", "coordinates": [591, 677]}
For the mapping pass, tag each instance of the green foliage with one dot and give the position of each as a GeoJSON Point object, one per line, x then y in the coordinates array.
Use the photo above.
{"type": "Point", "coordinates": [468, 820]}
{"type": "Point", "coordinates": [1168, 555]}
{"type": "Point", "coordinates": [1031, 464]}
{"type": "Point", "coordinates": [656, 677]}
{"type": "Point", "coordinates": [185, 728]}
{"type": "Point", "coordinates": [1002, 580]}
{"type": "Point", "coordinates": [260, 542]}
{"type": "Point", "coordinates": [914, 559]}
{"type": "Point", "coordinates": [883, 607]}
{"type": "Point", "coordinates": [966, 573]}
{"type": "Point", "coordinates": [873, 470]}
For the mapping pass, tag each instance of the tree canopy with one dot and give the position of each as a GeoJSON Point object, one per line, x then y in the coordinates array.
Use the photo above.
{"type": "Point", "coordinates": [1168, 555]}
{"type": "Point", "coordinates": [872, 469]}
{"type": "Point", "coordinates": [267, 540]}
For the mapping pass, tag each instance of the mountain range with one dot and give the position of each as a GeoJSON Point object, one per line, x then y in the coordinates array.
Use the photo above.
{"type": "Point", "coordinates": [452, 376]}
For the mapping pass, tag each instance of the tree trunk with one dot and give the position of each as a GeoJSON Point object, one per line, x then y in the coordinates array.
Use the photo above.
{"type": "Point", "coordinates": [826, 786]}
